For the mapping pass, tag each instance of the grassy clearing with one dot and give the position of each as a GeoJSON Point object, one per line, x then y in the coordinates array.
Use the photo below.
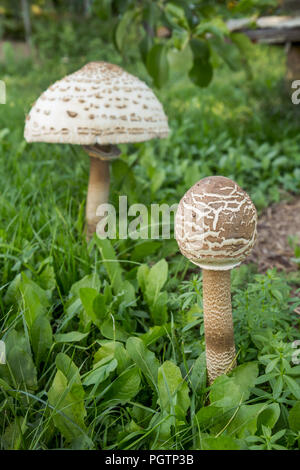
{"type": "Point", "coordinates": [110, 354]}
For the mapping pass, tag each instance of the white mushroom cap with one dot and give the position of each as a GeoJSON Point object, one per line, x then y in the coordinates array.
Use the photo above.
{"type": "Point", "coordinates": [215, 224]}
{"type": "Point", "coordinates": [99, 104]}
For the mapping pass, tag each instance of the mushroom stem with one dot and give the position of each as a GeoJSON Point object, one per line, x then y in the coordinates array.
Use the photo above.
{"type": "Point", "coordinates": [98, 192]}
{"type": "Point", "coordinates": [218, 323]}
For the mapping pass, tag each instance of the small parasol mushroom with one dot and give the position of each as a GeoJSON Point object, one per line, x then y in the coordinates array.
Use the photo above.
{"type": "Point", "coordinates": [215, 228]}
{"type": "Point", "coordinates": [97, 107]}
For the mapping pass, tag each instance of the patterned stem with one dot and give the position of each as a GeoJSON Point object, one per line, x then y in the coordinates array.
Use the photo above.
{"type": "Point", "coordinates": [218, 324]}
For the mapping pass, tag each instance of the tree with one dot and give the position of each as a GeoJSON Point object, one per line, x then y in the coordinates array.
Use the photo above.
{"type": "Point", "coordinates": [159, 26]}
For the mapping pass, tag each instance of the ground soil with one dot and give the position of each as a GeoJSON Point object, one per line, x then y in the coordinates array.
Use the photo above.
{"type": "Point", "coordinates": [278, 224]}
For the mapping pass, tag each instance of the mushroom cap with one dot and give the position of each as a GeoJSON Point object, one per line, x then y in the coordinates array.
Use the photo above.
{"type": "Point", "coordinates": [215, 224]}
{"type": "Point", "coordinates": [99, 104]}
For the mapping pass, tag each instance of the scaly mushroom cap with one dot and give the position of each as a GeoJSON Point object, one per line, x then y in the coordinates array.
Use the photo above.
{"type": "Point", "coordinates": [215, 224]}
{"type": "Point", "coordinates": [98, 104]}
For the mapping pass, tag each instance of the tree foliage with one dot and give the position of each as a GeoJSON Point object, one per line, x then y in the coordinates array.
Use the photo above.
{"type": "Point", "coordinates": [145, 30]}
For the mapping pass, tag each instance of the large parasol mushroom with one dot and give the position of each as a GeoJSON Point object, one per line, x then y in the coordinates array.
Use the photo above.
{"type": "Point", "coordinates": [97, 107]}
{"type": "Point", "coordinates": [215, 228]}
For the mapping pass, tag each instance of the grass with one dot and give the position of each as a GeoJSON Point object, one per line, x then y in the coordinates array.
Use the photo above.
{"type": "Point", "coordinates": [94, 360]}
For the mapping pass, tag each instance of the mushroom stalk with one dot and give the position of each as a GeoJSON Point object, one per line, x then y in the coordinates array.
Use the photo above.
{"type": "Point", "coordinates": [218, 323]}
{"type": "Point", "coordinates": [74, 110]}
{"type": "Point", "coordinates": [215, 227]}
{"type": "Point", "coordinates": [98, 192]}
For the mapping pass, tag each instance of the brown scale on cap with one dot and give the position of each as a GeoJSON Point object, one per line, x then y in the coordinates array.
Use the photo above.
{"type": "Point", "coordinates": [215, 228]}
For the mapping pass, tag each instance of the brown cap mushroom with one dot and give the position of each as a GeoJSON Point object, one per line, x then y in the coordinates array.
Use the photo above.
{"type": "Point", "coordinates": [215, 228]}
{"type": "Point", "coordinates": [98, 107]}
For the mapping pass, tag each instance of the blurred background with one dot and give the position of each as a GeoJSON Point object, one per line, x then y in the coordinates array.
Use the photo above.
{"type": "Point", "coordinates": [223, 71]}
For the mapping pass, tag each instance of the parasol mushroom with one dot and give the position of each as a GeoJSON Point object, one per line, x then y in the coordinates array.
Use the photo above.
{"type": "Point", "coordinates": [98, 107]}
{"type": "Point", "coordinates": [215, 228]}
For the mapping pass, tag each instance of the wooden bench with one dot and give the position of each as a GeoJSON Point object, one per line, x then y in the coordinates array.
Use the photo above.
{"type": "Point", "coordinates": [278, 30]}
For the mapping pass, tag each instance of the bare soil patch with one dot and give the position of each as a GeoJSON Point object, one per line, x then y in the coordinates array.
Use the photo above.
{"type": "Point", "coordinates": [276, 224]}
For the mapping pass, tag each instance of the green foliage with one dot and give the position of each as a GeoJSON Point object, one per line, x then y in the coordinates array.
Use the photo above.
{"type": "Point", "coordinates": [197, 27]}
{"type": "Point", "coordinates": [66, 398]}
{"type": "Point", "coordinates": [105, 342]}
{"type": "Point", "coordinates": [151, 281]}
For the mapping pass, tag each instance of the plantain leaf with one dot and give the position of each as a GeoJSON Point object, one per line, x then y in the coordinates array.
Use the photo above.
{"type": "Point", "coordinates": [157, 65]}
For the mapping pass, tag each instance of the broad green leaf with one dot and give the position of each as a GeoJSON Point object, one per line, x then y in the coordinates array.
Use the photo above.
{"type": "Point", "coordinates": [71, 337]}
{"type": "Point", "coordinates": [228, 52]}
{"type": "Point", "coordinates": [87, 297]}
{"type": "Point", "coordinates": [176, 16]}
{"type": "Point", "coordinates": [142, 275]}
{"type": "Point", "coordinates": [22, 367]}
{"type": "Point", "coordinates": [173, 390]}
{"type": "Point", "coordinates": [156, 279]}
{"type": "Point", "coordinates": [144, 359]}
{"type": "Point", "coordinates": [41, 337]}
{"type": "Point", "coordinates": [245, 47]}
{"type": "Point", "coordinates": [111, 263]}
{"type": "Point", "coordinates": [180, 39]}
{"type": "Point", "coordinates": [112, 350]}
{"type": "Point", "coordinates": [69, 412]}
{"type": "Point", "coordinates": [106, 351]}
{"type": "Point", "coordinates": [198, 375]}
{"type": "Point", "coordinates": [158, 309]}
{"type": "Point", "coordinates": [13, 293]}
{"type": "Point", "coordinates": [128, 293]}
{"type": "Point", "coordinates": [111, 329]}
{"type": "Point", "coordinates": [91, 281]}
{"type": "Point", "coordinates": [65, 364]}
{"type": "Point", "coordinates": [47, 278]}
{"type": "Point", "coordinates": [100, 309]}
{"type": "Point", "coordinates": [211, 418]}
{"type": "Point", "coordinates": [74, 305]}
{"type": "Point", "coordinates": [245, 376]}
{"type": "Point", "coordinates": [232, 391]}
{"type": "Point", "coordinates": [244, 420]}
{"type": "Point", "coordinates": [121, 32]}
{"type": "Point", "coordinates": [123, 388]}
{"type": "Point", "coordinates": [157, 64]}
{"type": "Point", "coordinates": [19, 369]}
{"type": "Point", "coordinates": [201, 72]}
{"type": "Point", "coordinates": [13, 437]}
{"type": "Point", "coordinates": [100, 373]}
{"type": "Point", "coordinates": [154, 333]}
{"type": "Point", "coordinates": [35, 300]}
{"type": "Point", "coordinates": [163, 425]}
{"type": "Point", "coordinates": [294, 417]}
{"type": "Point", "coordinates": [225, 393]}
{"type": "Point", "coordinates": [269, 415]}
